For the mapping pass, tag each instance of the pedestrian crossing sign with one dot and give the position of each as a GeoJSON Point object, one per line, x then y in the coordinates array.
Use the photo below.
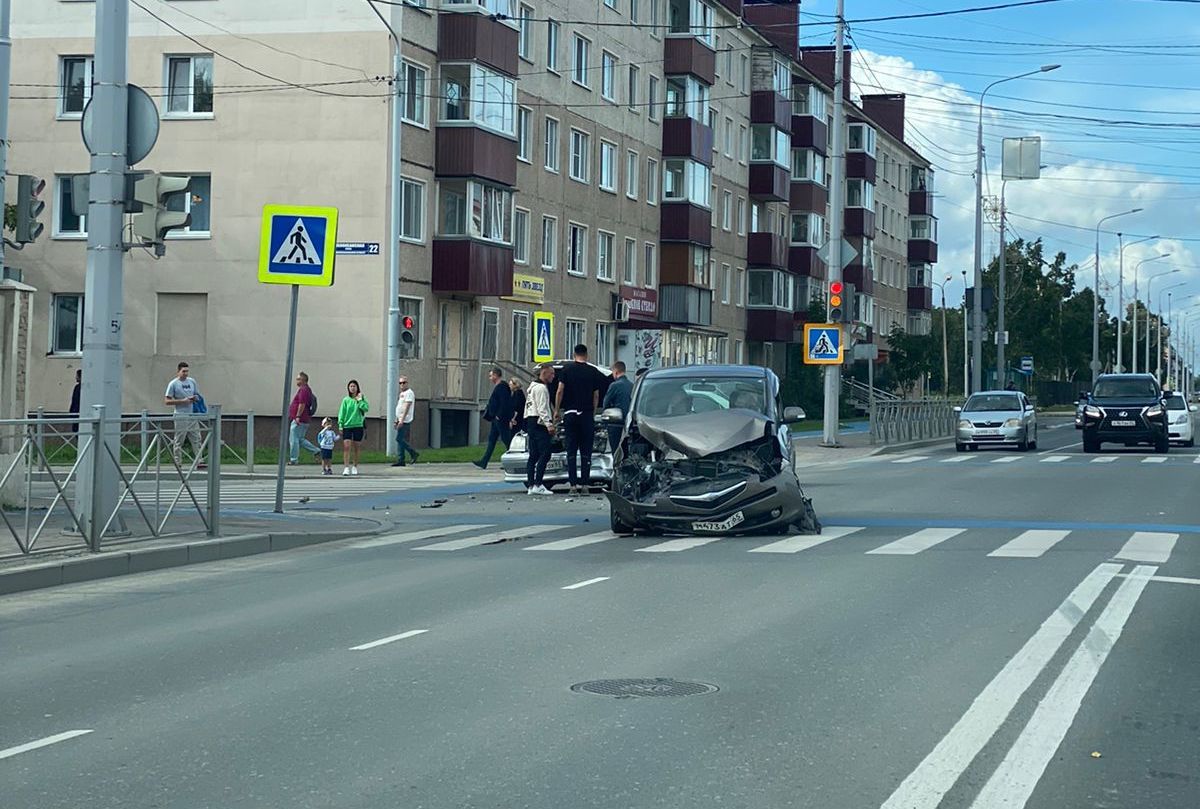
{"type": "Point", "coordinates": [822, 344]}
{"type": "Point", "coordinates": [297, 245]}
{"type": "Point", "coordinates": [543, 337]}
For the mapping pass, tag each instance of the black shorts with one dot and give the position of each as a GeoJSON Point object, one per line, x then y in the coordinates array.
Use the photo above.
{"type": "Point", "coordinates": [353, 433]}
{"type": "Point", "coordinates": [326, 454]}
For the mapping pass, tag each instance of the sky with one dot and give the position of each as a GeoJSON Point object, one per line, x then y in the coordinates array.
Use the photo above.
{"type": "Point", "coordinates": [1146, 70]}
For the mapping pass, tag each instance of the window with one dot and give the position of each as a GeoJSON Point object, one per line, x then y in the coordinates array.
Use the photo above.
{"type": "Point", "coordinates": [758, 217]}
{"type": "Point", "coordinates": [652, 98]}
{"type": "Point", "coordinates": [629, 270]}
{"type": "Point", "coordinates": [632, 161]}
{"type": "Point", "coordinates": [633, 10]}
{"type": "Point", "coordinates": [688, 97]}
{"type": "Point", "coordinates": [737, 351]}
{"type": "Point", "coordinates": [728, 137]}
{"type": "Point", "coordinates": [552, 29]}
{"type": "Point", "coordinates": [551, 145]}
{"type": "Point", "coordinates": [579, 64]}
{"type": "Point", "coordinates": [549, 242]}
{"type": "Point", "coordinates": [744, 74]}
{"type": "Point", "coordinates": [604, 343]}
{"type": "Point", "coordinates": [768, 144]}
{"type": "Point", "coordinates": [808, 164]}
{"type": "Point", "coordinates": [686, 181]}
{"type": "Point", "coordinates": [581, 155]}
{"type": "Point", "coordinates": [524, 121]}
{"type": "Point", "coordinates": [868, 257]}
{"type": "Point", "coordinates": [743, 144]}
{"type": "Point", "coordinates": [728, 71]}
{"type": "Point", "coordinates": [635, 78]}
{"type": "Point", "coordinates": [922, 227]}
{"type": "Point", "coordinates": [608, 166]}
{"type": "Point", "coordinates": [860, 138]}
{"type": "Point", "coordinates": [693, 17]}
{"type": "Point", "coordinates": [411, 307]}
{"type": "Point", "coordinates": [770, 289]}
{"type": "Point", "coordinates": [66, 223]}
{"type": "Point", "coordinates": [860, 194]}
{"type": "Point", "coordinates": [655, 18]}
{"type": "Point", "coordinates": [701, 273]}
{"type": "Point", "coordinates": [651, 181]}
{"type": "Point", "coordinates": [741, 216]}
{"type": "Point", "coordinates": [489, 333]}
{"type": "Point", "coordinates": [604, 255]}
{"type": "Point", "coordinates": [608, 76]}
{"type": "Point", "coordinates": [650, 264]}
{"type": "Point", "coordinates": [477, 210]}
{"type": "Point", "coordinates": [807, 99]}
{"type": "Point", "coordinates": [920, 179]}
{"type": "Point", "coordinates": [196, 201]}
{"type": "Point", "coordinates": [726, 210]}
{"type": "Point", "coordinates": [722, 349]}
{"type": "Point", "coordinates": [412, 210]}
{"type": "Point", "coordinates": [726, 282]}
{"type": "Point", "coordinates": [479, 95]}
{"type": "Point", "coordinates": [66, 327]}
{"type": "Point", "coordinates": [577, 249]}
{"type": "Point", "coordinates": [611, 4]}
{"type": "Point", "coordinates": [739, 284]}
{"type": "Point", "coordinates": [575, 332]}
{"type": "Point", "coordinates": [525, 32]}
{"type": "Point", "coordinates": [520, 236]}
{"type": "Point", "coordinates": [781, 78]}
{"type": "Point", "coordinates": [808, 229]}
{"type": "Point", "coordinates": [74, 84]}
{"type": "Point", "coordinates": [414, 95]}
{"type": "Point", "coordinates": [520, 338]}
{"type": "Point", "coordinates": [190, 85]}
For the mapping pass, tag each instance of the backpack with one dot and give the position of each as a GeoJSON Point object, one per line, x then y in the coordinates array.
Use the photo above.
{"type": "Point", "coordinates": [312, 403]}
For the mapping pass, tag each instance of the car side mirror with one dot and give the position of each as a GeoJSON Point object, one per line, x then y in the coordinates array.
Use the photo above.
{"type": "Point", "coordinates": [957, 409]}
{"type": "Point", "coordinates": [1083, 395]}
{"type": "Point", "coordinates": [793, 415]}
{"type": "Point", "coordinates": [612, 416]}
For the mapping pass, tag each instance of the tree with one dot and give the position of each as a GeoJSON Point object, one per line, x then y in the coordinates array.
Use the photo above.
{"type": "Point", "coordinates": [911, 356]}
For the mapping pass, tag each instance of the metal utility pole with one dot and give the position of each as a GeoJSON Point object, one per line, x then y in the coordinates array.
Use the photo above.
{"type": "Point", "coordinates": [1001, 336]}
{"type": "Point", "coordinates": [103, 314]}
{"type": "Point", "coordinates": [1096, 296]}
{"type": "Point", "coordinates": [1149, 314]}
{"type": "Point", "coordinates": [5, 80]}
{"type": "Point", "coordinates": [1120, 297]}
{"type": "Point", "coordinates": [833, 373]}
{"type": "Point", "coordinates": [966, 352]}
{"type": "Point", "coordinates": [1121, 302]}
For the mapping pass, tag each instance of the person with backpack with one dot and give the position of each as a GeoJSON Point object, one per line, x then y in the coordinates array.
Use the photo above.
{"type": "Point", "coordinates": [300, 413]}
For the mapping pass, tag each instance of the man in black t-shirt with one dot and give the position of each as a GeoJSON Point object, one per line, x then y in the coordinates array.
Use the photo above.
{"type": "Point", "coordinates": [575, 402]}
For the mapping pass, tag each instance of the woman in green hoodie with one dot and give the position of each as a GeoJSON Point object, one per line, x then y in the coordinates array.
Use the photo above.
{"type": "Point", "coordinates": [350, 422]}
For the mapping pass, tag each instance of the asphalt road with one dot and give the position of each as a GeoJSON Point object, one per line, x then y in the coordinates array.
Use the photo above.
{"type": "Point", "coordinates": [968, 632]}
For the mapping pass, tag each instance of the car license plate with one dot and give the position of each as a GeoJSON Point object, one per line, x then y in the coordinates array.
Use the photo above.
{"type": "Point", "coordinates": [735, 519]}
{"type": "Point", "coordinates": [1124, 423]}
{"type": "Point", "coordinates": [987, 432]}
{"type": "Point", "coordinates": [554, 466]}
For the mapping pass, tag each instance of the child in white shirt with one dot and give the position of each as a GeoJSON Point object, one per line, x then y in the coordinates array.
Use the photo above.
{"type": "Point", "coordinates": [325, 441]}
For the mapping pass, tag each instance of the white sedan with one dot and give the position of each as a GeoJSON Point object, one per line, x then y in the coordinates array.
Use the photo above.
{"type": "Point", "coordinates": [1180, 421]}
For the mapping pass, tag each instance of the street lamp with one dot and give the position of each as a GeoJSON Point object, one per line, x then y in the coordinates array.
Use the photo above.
{"type": "Point", "coordinates": [1096, 297]}
{"type": "Point", "coordinates": [1121, 296]}
{"type": "Point", "coordinates": [1149, 281]}
{"type": "Point", "coordinates": [977, 308]}
{"type": "Point", "coordinates": [1138, 266]}
{"type": "Point", "coordinates": [1158, 361]}
{"type": "Point", "coordinates": [945, 344]}
{"type": "Point", "coordinates": [966, 352]}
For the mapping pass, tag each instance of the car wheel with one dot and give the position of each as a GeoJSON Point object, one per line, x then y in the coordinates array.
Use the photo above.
{"type": "Point", "coordinates": [1033, 443]}
{"type": "Point", "coordinates": [618, 525]}
{"type": "Point", "coordinates": [1191, 442]}
{"type": "Point", "coordinates": [1022, 445]}
{"type": "Point", "coordinates": [1162, 447]}
{"type": "Point", "coordinates": [972, 447]}
{"type": "Point", "coordinates": [1090, 444]}
{"type": "Point", "coordinates": [960, 447]}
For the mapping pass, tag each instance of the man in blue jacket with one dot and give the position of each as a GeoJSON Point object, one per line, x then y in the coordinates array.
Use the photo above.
{"type": "Point", "coordinates": [498, 413]}
{"type": "Point", "coordinates": [619, 394]}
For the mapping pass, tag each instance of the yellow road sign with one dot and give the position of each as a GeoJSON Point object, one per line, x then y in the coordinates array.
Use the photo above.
{"type": "Point", "coordinates": [297, 245]}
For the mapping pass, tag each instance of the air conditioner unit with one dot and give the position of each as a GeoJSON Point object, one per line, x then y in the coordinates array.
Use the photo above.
{"type": "Point", "coordinates": [621, 311]}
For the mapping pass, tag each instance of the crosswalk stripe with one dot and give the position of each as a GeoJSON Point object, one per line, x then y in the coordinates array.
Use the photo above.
{"type": "Point", "coordinates": [804, 541]}
{"type": "Point", "coordinates": [1197, 459]}
{"type": "Point", "coordinates": [913, 459]}
{"type": "Point", "coordinates": [1006, 459]}
{"type": "Point", "coordinates": [411, 536]}
{"type": "Point", "coordinates": [1154, 460]}
{"type": "Point", "coordinates": [1153, 547]}
{"type": "Point", "coordinates": [675, 545]}
{"type": "Point", "coordinates": [574, 542]}
{"type": "Point", "coordinates": [922, 540]}
{"type": "Point", "coordinates": [471, 542]}
{"type": "Point", "coordinates": [958, 459]}
{"type": "Point", "coordinates": [1055, 459]}
{"type": "Point", "coordinates": [1030, 544]}
{"type": "Point", "coordinates": [1106, 459]}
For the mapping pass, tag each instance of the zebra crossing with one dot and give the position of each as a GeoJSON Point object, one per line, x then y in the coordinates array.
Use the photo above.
{"type": "Point", "coordinates": [1148, 547]}
{"type": "Point", "coordinates": [1175, 458]}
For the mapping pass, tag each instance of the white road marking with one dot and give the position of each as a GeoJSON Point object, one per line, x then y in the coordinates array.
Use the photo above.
{"type": "Point", "coordinates": [1030, 544]}
{"type": "Point", "coordinates": [577, 585]}
{"type": "Point", "coordinates": [1060, 449]}
{"type": "Point", "coordinates": [1154, 460]}
{"type": "Point", "coordinates": [805, 541]}
{"type": "Point", "coordinates": [471, 542]}
{"type": "Point", "coordinates": [925, 786]}
{"type": "Point", "coordinates": [1015, 779]}
{"type": "Point", "coordinates": [1055, 459]}
{"type": "Point", "coordinates": [1007, 459]}
{"type": "Point", "coordinates": [412, 633]}
{"type": "Point", "coordinates": [958, 459]}
{"type": "Point", "coordinates": [913, 459]}
{"type": "Point", "coordinates": [675, 545]}
{"type": "Point", "coordinates": [410, 536]}
{"type": "Point", "coordinates": [1148, 546]}
{"type": "Point", "coordinates": [574, 542]}
{"type": "Point", "coordinates": [1105, 459]}
{"type": "Point", "coordinates": [922, 540]}
{"type": "Point", "coordinates": [1168, 579]}
{"type": "Point", "coordinates": [9, 752]}
{"type": "Point", "coordinates": [1197, 459]}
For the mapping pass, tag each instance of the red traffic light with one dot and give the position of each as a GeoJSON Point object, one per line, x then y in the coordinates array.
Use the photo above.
{"type": "Point", "coordinates": [835, 287]}
{"type": "Point", "coordinates": [408, 321]}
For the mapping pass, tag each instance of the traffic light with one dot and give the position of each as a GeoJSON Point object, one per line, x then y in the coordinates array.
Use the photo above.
{"type": "Point", "coordinates": [836, 315]}
{"type": "Point", "coordinates": [151, 191]}
{"type": "Point", "coordinates": [29, 208]}
{"type": "Point", "coordinates": [408, 330]}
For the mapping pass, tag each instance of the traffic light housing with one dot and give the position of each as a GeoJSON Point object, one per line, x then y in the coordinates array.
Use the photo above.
{"type": "Point", "coordinates": [836, 302]}
{"type": "Point", "coordinates": [155, 221]}
{"type": "Point", "coordinates": [29, 208]}
{"type": "Point", "coordinates": [408, 330]}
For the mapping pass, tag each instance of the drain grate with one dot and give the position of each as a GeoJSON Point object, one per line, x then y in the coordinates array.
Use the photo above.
{"type": "Point", "coordinates": [644, 687]}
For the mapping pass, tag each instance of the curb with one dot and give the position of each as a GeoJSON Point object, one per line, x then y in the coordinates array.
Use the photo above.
{"type": "Point", "coordinates": [889, 449]}
{"type": "Point", "coordinates": [119, 563]}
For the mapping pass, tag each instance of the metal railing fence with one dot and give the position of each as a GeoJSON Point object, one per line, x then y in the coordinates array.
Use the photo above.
{"type": "Point", "coordinates": [896, 422]}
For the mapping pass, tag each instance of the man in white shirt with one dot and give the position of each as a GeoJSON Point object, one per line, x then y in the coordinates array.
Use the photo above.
{"type": "Point", "coordinates": [406, 405]}
{"type": "Point", "coordinates": [181, 394]}
{"type": "Point", "coordinates": [539, 426]}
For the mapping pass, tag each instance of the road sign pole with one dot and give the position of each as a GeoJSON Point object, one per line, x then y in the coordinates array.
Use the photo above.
{"type": "Point", "coordinates": [394, 206]}
{"type": "Point", "coordinates": [829, 436]}
{"type": "Point", "coordinates": [5, 78]}
{"type": "Point", "coordinates": [285, 424]}
{"type": "Point", "coordinates": [103, 351]}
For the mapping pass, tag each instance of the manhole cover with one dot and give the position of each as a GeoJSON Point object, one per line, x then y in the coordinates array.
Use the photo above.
{"type": "Point", "coordinates": [643, 687]}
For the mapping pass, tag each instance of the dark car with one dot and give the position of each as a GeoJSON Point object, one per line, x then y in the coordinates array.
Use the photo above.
{"type": "Point", "coordinates": [1127, 409]}
{"type": "Point", "coordinates": [707, 450]}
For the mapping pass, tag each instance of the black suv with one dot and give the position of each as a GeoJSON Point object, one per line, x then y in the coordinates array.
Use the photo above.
{"type": "Point", "coordinates": [1127, 409]}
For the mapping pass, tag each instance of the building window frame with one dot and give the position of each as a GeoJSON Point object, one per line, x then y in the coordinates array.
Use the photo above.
{"type": "Point", "coordinates": [520, 346]}
{"type": "Point", "coordinates": [606, 245]}
{"type": "Point", "coordinates": [581, 54]}
{"type": "Point", "coordinates": [88, 64]}
{"type": "Point", "coordinates": [608, 76]}
{"type": "Point", "coordinates": [553, 32]}
{"type": "Point", "coordinates": [579, 169]}
{"type": "Point", "coordinates": [607, 175]}
{"type": "Point", "coordinates": [195, 62]}
{"type": "Point", "coordinates": [406, 234]}
{"type": "Point", "coordinates": [418, 102]}
{"type": "Point", "coordinates": [520, 235]}
{"type": "Point", "coordinates": [552, 159]}
{"type": "Point", "coordinates": [525, 31]}
{"type": "Point", "coordinates": [652, 181]}
{"type": "Point", "coordinates": [63, 208]}
{"type": "Point", "coordinates": [190, 200]}
{"type": "Point", "coordinates": [55, 347]}
{"type": "Point", "coordinates": [524, 134]}
{"type": "Point", "coordinates": [549, 243]}
{"type": "Point", "coordinates": [577, 240]}
{"type": "Point", "coordinates": [650, 265]}
{"type": "Point", "coordinates": [629, 268]}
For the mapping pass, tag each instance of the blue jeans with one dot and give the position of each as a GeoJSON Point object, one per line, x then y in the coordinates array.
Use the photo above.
{"type": "Point", "coordinates": [402, 447]}
{"type": "Point", "coordinates": [297, 438]}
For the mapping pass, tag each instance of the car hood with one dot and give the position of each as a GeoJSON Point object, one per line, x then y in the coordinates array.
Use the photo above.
{"type": "Point", "coordinates": [698, 435]}
{"type": "Point", "coordinates": [1131, 404]}
{"type": "Point", "coordinates": [991, 415]}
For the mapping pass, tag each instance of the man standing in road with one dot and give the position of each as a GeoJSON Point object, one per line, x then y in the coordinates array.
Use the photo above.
{"type": "Point", "coordinates": [182, 393]}
{"type": "Point", "coordinates": [539, 426]}
{"type": "Point", "coordinates": [300, 412]}
{"type": "Point", "coordinates": [406, 408]}
{"type": "Point", "coordinates": [578, 395]}
{"type": "Point", "coordinates": [499, 408]}
{"type": "Point", "coordinates": [618, 395]}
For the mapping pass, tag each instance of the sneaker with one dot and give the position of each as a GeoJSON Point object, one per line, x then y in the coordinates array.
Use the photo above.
{"type": "Point", "coordinates": [531, 490]}
{"type": "Point", "coordinates": [415, 455]}
{"type": "Point", "coordinates": [479, 464]}
{"type": "Point", "coordinates": [326, 471]}
{"type": "Point", "coordinates": [354, 470]}
{"type": "Point", "coordinates": [541, 490]}
{"type": "Point", "coordinates": [345, 471]}
{"type": "Point", "coordinates": [398, 463]}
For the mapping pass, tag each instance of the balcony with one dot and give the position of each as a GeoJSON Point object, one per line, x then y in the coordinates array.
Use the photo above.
{"type": "Point", "coordinates": [684, 222]}
{"type": "Point", "coordinates": [686, 137]}
{"type": "Point", "coordinates": [770, 325]}
{"type": "Point", "coordinates": [685, 305]}
{"type": "Point", "coordinates": [733, 6]}
{"type": "Point", "coordinates": [766, 250]}
{"type": "Point", "coordinates": [477, 38]}
{"type": "Point", "coordinates": [923, 250]}
{"type": "Point", "coordinates": [770, 182]}
{"type": "Point", "coordinates": [859, 277]}
{"type": "Point", "coordinates": [808, 196]}
{"type": "Point", "coordinates": [920, 203]}
{"type": "Point", "coordinates": [769, 107]}
{"type": "Point", "coordinates": [686, 54]}
{"type": "Point", "coordinates": [803, 261]}
{"type": "Point", "coordinates": [471, 268]}
{"type": "Point", "coordinates": [467, 151]}
{"type": "Point", "coordinates": [920, 298]}
{"type": "Point", "coordinates": [810, 133]}
{"type": "Point", "coordinates": [779, 23]}
{"type": "Point", "coordinates": [860, 165]}
{"type": "Point", "coordinates": [860, 222]}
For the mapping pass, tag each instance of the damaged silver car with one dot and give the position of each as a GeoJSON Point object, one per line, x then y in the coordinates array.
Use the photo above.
{"type": "Point", "coordinates": [707, 450]}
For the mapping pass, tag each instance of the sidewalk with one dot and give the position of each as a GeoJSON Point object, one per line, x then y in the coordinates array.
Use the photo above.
{"type": "Point", "coordinates": [463, 472]}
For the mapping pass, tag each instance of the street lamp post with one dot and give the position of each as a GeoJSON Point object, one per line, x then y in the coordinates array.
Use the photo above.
{"type": "Point", "coordinates": [945, 342]}
{"type": "Point", "coordinates": [1149, 299]}
{"type": "Point", "coordinates": [1138, 266]}
{"type": "Point", "coordinates": [977, 307]}
{"type": "Point", "coordinates": [1121, 297]}
{"type": "Point", "coordinates": [966, 351]}
{"type": "Point", "coordinates": [1158, 361]}
{"type": "Point", "coordinates": [1096, 296]}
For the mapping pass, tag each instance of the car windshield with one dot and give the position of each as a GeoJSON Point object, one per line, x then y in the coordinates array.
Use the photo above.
{"type": "Point", "coordinates": [679, 397]}
{"type": "Point", "coordinates": [992, 401]}
{"type": "Point", "coordinates": [1125, 389]}
{"type": "Point", "coordinates": [1176, 403]}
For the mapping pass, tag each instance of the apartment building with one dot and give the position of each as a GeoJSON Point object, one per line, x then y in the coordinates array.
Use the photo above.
{"type": "Point", "coordinates": [653, 173]}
